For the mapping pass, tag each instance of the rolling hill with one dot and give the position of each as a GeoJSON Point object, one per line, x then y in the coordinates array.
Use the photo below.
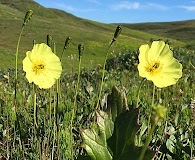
{"type": "Point", "coordinates": [180, 30]}
{"type": "Point", "coordinates": [60, 24]}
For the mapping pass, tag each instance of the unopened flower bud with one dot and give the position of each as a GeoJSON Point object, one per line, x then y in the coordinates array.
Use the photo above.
{"type": "Point", "coordinates": [159, 113]}
{"type": "Point", "coordinates": [67, 42]}
{"type": "Point", "coordinates": [117, 32]}
{"type": "Point", "coordinates": [80, 49]}
{"type": "Point", "coordinates": [27, 17]}
{"type": "Point", "coordinates": [34, 42]}
{"type": "Point", "coordinates": [49, 40]}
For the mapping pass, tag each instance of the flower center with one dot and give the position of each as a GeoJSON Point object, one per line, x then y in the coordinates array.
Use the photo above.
{"type": "Point", "coordinates": [38, 67]}
{"type": "Point", "coordinates": [153, 67]}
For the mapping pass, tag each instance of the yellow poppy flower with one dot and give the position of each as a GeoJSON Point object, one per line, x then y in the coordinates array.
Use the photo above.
{"type": "Point", "coordinates": [158, 64]}
{"type": "Point", "coordinates": [42, 66]}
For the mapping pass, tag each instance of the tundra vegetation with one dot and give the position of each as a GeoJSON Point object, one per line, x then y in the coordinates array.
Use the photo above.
{"type": "Point", "coordinates": [137, 104]}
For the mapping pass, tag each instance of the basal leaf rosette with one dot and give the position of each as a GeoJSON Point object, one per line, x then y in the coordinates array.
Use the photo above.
{"type": "Point", "coordinates": [42, 66]}
{"type": "Point", "coordinates": [156, 63]}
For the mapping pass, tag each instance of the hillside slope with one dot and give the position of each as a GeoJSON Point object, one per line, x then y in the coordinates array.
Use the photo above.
{"type": "Point", "coordinates": [181, 30]}
{"type": "Point", "coordinates": [95, 36]}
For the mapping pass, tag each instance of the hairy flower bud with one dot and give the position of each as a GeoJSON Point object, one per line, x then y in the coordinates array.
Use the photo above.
{"type": "Point", "coordinates": [49, 40]}
{"type": "Point", "coordinates": [27, 17]}
{"type": "Point", "coordinates": [117, 32]}
{"type": "Point", "coordinates": [159, 113]}
{"type": "Point", "coordinates": [34, 42]}
{"type": "Point", "coordinates": [67, 42]}
{"type": "Point", "coordinates": [80, 49]}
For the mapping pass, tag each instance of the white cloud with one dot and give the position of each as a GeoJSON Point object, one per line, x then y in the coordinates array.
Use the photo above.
{"type": "Point", "coordinates": [64, 6]}
{"type": "Point", "coordinates": [188, 8]}
{"type": "Point", "coordinates": [125, 5]}
{"type": "Point", "coordinates": [69, 8]}
{"type": "Point", "coordinates": [93, 1]}
{"type": "Point", "coordinates": [156, 6]}
{"type": "Point", "coordinates": [136, 5]}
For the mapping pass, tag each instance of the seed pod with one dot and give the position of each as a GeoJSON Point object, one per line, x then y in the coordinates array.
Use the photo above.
{"type": "Point", "coordinates": [27, 17]}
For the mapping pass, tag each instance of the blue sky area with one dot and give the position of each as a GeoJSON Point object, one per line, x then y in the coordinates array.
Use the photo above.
{"type": "Point", "coordinates": [127, 11]}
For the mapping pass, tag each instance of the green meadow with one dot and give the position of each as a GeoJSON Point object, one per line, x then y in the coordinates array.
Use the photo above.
{"type": "Point", "coordinates": [95, 36]}
{"type": "Point", "coordinates": [100, 108]}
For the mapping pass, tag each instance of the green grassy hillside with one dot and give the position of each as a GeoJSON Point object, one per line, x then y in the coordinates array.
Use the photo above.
{"type": "Point", "coordinates": [181, 30]}
{"type": "Point", "coordinates": [95, 36]}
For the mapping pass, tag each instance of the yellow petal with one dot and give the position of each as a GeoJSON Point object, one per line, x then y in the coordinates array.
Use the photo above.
{"type": "Point", "coordinates": [156, 48]}
{"type": "Point", "coordinates": [42, 66]}
{"type": "Point", "coordinates": [26, 64]}
{"type": "Point", "coordinates": [158, 64]}
{"type": "Point", "coordinates": [144, 49]}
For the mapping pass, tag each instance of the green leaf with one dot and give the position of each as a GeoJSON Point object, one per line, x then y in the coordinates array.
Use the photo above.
{"type": "Point", "coordinates": [170, 144]}
{"type": "Point", "coordinates": [114, 136]}
{"type": "Point", "coordinates": [122, 142]}
{"type": "Point", "coordinates": [117, 103]}
{"type": "Point", "coordinates": [94, 141]}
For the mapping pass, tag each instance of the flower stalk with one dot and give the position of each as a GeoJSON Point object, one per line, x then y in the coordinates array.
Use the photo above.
{"type": "Point", "coordinates": [80, 51]}
{"type": "Point", "coordinates": [116, 34]}
{"type": "Point", "coordinates": [26, 20]}
{"type": "Point", "coordinates": [66, 43]}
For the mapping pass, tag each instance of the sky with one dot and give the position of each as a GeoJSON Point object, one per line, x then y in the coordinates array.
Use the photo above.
{"type": "Point", "coordinates": [126, 11]}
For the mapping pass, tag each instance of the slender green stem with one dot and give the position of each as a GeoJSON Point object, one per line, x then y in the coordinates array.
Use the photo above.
{"type": "Point", "coordinates": [150, 108]}
{"type": "Point", "coordinates": [192, 64]}
{"type": "Point", "coordinates": [116, 34]}
{"type": "Point", "coordinates": [74, 109]}
{"type": "Point", "coordinates": [55, 114]}
{"type": "Point", "coordinates": [153, 93]}
{"type": "Point", "coordinates": [103, 74]}
{"type": "Point", "coordinates": [61, 56]}
{"type": "Point", "coordinates": [191, 146]}
{"type": "Point", "coordinates": [15, 93]}
{"type": "Point", "coordinates": [138, 92]}
{"type": "Point", "coordinates": [56, 109]}
{"type": "Point", "coordinates": [16, 63]}
{"type": "Point", "coordinates": [35, 107]}
{"type": "Point", "coordinates": [163, 157]}
{"type": "Point", "coordinates": [150, 130]}
{"type": "Point", "coordinates": [36, 127]}
{"type": "Point", "coordinates": [17, 123]}
{"type": "Point", "coordinates": [7, 135]}
{"type": "Point", "coordinates": [54, 137]}
{"type": "Point", "coordinates": [149, 137]}
{"type": "Point", "coordinates": [192, 142]}
{"type": "Point", "coordinates": [56, 117]}
{"type": "Point", "coordinates": [50, 122]}
{"type": "Point", "coordinates": [50, 105]}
